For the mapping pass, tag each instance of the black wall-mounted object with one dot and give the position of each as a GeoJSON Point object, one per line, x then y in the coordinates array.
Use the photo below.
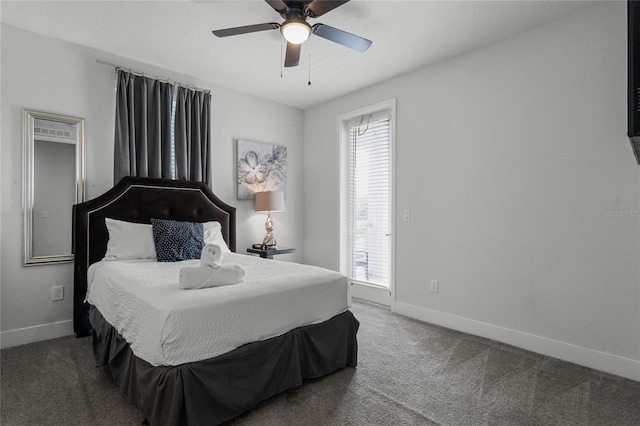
{"type": "Point", "coordinates": [633, 87]}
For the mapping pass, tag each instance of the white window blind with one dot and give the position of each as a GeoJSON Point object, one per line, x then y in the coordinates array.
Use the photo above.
{"type": "Point", "coordinates": [370, 199]}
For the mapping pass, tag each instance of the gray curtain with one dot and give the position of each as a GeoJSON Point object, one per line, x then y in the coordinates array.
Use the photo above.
{"type": "Point", "coordinates": [143, 127]}
{"type": "Point", "coordinates": [192, 135]}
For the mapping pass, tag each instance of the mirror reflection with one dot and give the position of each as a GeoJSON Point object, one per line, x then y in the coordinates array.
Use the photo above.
{"type": "Point", "coordinates": [54, 181]}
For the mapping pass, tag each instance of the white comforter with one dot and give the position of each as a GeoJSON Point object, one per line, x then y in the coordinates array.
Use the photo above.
{"type": "Point", "coordinates": [165, 325]}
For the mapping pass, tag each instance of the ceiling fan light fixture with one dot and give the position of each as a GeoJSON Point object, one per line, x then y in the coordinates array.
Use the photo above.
{"type": "Point", "coordinates": [296, 30]}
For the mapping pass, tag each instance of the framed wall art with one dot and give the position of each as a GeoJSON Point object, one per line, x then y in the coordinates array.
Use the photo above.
{"type": "Point", "coordinates": [261, 167]}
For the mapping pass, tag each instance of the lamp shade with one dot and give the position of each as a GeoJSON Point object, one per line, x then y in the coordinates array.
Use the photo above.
{"type": "Point", "coordinates": [295, 30]}
{"type": "Point", "coordinates": [270, 201]}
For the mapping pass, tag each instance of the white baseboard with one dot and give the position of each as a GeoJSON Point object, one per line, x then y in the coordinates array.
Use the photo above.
{"type": "Point", "coordinates": [620, 366]}
{"type": "Point", "coordinates": [22, 336]}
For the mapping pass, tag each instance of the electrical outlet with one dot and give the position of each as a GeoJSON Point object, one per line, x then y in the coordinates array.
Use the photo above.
{"type": "Point", "coordinates": [435, 286]}
{"type": "Point", "coordinates": [57, 293]}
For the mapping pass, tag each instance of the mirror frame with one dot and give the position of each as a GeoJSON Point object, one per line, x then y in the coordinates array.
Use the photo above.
{"type": "Point", "coordinates": [28, 140]}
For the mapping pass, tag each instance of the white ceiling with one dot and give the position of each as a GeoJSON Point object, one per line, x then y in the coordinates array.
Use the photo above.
{"type": "Point", "coordinates": [176, 35]}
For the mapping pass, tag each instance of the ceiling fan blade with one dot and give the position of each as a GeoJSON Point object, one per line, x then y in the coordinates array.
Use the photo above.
{"type": "Point", "coordinates": [277, 5]}
{"type": "Point", "coordinates": [320, 7]}
{"type": "Point", "coordinates": [246, 29]}
{"type": "Point", "coordinates": [292, 57]}
{"type": "Point", "coordinates": [342, 37]}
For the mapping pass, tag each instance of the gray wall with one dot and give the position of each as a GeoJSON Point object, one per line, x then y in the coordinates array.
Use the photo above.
{"type": "Point", "coordinates": [72, 83]}
{"type": "Point", "coordinates": [515, 164]}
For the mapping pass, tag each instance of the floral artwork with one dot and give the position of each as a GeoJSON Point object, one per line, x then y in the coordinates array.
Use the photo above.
{"type": "Point", "coordinates": [261, 167]}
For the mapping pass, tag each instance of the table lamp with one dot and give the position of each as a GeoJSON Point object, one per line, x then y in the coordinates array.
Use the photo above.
{"type": "Point", "coordinates": [269, 201]}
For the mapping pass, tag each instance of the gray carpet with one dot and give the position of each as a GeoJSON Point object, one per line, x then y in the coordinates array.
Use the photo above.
{"type": "Point", "coordinates": [409, 373]}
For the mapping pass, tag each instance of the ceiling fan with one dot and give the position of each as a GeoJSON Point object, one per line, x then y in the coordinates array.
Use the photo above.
{"type": "Point", "coordinates": [296, 30]}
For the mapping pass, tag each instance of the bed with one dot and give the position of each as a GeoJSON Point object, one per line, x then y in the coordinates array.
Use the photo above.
{"type": "Point", "coordinates": [210, 385]}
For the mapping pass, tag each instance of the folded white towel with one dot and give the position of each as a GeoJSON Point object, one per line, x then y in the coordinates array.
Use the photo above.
{"type": "Point", "coordinates": [211, 255]}
{"type": "Point", "coordinates": [211, 272]}
{"type": "Point", "coordinates": [207, 276]}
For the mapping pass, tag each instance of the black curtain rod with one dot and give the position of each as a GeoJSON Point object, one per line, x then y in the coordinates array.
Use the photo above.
{"type": "Point", "coordinates": [146, 74]}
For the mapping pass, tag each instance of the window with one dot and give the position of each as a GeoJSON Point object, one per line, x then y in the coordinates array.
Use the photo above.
{"type": "Point", "coordinates": [172, 137]}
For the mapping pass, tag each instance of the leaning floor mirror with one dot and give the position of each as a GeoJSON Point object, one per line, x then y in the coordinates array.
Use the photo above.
{"type": "Point", "coordinates": [53, 166]}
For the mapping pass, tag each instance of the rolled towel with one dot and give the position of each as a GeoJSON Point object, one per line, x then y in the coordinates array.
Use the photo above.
{"type": "Point", "coordinates": [227, 274]}
{"type": "Point", "coordinates": [207, 276]}
{"type": "Point", "coordinates": [194, 276]}
{"type": "Point", "coordinates": [211, 255]}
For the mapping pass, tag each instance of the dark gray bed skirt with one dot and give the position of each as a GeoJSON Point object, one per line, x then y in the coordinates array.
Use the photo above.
{"type": "Point", "coordinates": [213, 391]}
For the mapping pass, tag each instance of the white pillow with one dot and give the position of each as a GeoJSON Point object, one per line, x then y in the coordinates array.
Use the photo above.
{"type": "Point", "coordinates": [129, 240]}
{"type": "Point", "coordinates": [213, 235]}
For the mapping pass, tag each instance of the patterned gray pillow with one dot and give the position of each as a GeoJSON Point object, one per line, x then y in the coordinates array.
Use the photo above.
{"type": "Point", "coordinates": [175, 240]}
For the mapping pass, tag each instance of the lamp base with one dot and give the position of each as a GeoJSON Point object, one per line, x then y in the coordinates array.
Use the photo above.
{"type": "Point", "coordinates": [269, 239]}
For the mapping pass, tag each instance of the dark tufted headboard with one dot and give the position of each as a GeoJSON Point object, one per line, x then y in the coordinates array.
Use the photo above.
{"type": "Point", "coordinates": [138, 200]}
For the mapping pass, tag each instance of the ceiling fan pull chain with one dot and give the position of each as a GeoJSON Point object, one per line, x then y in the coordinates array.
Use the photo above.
{"type": "Point", "coordinates": [309, 83]}
{"type": "Point", "coordinates": [280, 58]}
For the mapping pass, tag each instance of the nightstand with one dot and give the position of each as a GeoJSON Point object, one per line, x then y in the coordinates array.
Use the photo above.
{"type": "Point", "coordinates": [270, 252]}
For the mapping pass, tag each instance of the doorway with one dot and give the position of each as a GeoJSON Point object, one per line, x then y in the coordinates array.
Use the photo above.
{"type": "Point", "coordinates": [368, 202]}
